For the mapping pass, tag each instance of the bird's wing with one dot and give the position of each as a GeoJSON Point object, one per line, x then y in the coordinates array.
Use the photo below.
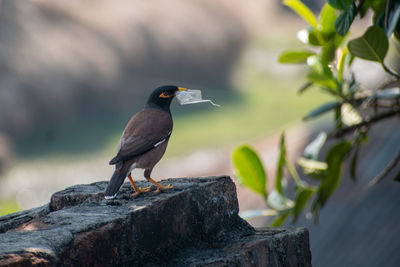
{"type": "Point", "coordinates": [146, 130]}
{"type": "Point", "coordinates": [136, 145]}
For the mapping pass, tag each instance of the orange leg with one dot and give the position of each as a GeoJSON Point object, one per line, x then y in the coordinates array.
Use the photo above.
{"type": "Point", "coordinates": [137, 189]}
{"type": "Point", "coordinates": [160, 187]}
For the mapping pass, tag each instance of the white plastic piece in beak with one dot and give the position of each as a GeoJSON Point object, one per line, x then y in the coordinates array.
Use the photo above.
{"type": "Point", "coordinates": [192, 96]}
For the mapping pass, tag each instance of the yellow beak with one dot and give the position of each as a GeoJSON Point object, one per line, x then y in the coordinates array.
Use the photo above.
{"type": "Point", "coordinates": [182, 89]}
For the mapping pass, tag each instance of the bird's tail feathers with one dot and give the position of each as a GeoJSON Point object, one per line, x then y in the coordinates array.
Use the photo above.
{"type": "Point", "coordinates": [117, 179]}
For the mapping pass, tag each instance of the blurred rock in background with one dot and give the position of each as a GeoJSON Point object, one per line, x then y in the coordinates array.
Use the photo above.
{"type": "Point", "coordinates": [66, 64]}
{"type": "Point", "coordinates": [5, 153]}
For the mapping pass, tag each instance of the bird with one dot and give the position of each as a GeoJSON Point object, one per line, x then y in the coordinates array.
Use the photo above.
{"type": "Point", "coordinates": [144, 141]}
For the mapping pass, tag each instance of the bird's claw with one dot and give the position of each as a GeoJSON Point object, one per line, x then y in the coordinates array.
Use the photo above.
{"type": "Point", "coordinates": [136, 194]}
{"type": "Point", "coordinates": [162, 188]}
{"type": "Point", "coordinates": [146, 189]}
{"type": "Point", "coordinates": [141, 190]}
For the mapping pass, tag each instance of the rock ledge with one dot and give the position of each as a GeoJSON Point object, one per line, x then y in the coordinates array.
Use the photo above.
{"type": "Point", "coordinates": [195, 224]}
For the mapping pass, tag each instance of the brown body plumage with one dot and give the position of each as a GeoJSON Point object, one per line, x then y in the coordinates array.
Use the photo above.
{"type": "Point", "coordinates": [144, 141]}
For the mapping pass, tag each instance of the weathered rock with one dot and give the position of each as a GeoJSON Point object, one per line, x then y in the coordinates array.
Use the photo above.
{"type": "Point", "coordinates": [267, 247]}
{"type": "Point", "coordinates": [195, 224]}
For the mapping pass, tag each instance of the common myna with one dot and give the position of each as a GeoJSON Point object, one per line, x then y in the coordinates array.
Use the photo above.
{"type": "Point", "coordinates": [144, 141]}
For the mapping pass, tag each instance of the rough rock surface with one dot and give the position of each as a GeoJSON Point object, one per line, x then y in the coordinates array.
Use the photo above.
{"type": "Point", "coordinates": [195, 224]}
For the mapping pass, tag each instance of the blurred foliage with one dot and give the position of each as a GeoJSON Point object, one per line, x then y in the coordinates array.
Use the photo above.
{"type": "Point", "coordinates": [75, 151]}
{"type": "Point", "coordinates": [227, 122]}
{"type": "Point", "coordinates": [251, 172]}
{"type": "Point", "coordinates": [8, 205]}
{"type": "Point", "coordinates": [328, 60]}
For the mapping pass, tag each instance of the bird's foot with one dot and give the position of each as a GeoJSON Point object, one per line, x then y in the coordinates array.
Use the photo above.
{"type": "Point", "coordinates": [140, 190]}
{"type": "Point", "coordinates": [161, 188]}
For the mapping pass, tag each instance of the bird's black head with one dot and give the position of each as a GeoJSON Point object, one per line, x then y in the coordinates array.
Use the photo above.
{"type": "Point", "coordinates": [161, 97]}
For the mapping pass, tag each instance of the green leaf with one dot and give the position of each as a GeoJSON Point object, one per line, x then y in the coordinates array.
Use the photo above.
{"type": "Point", "coordinates": [335, 157]}
{"type": "Point", "coordinates": [380, 20]}
{"type": "Point", "coordinates": [397, 32]}
{"type": "Point", "coordinates": [320, 73]}
{"type": "Point", "coordinates": [394, 18]}
{"type": "Point", "coordinates": [250, 169]}
{"type": "Point", "coordinates": [304, 87]}
{"type": "Point", "coordinates": [338, 40]}
{"type": "Point", "coordinates": [313, 38]}
{"type": "Point", "coordinates": [345, 19]}
{"type": "Point", "coordinates": [328, 52]}
{"type": "Point", "coordinates": [303, 194]}
{"type": "Point", "coordinates": [295, 57]}
{"type": "Point", "coordinates": [302, 10]}
{"type": "Point", "coordinates": [351, 59]}
{"type": "Point", "coordinates": [378, 6]}
{"type": "Point", "coordinates": [373, 45]}
{"type": "Point", "coordinates": [327, 19]}
{"type": "Point", "coordinates": [364, 9]}
{"type": "Point", "coordinates": [338, 118]}
{"type": "Point", "coordinates": [322, 109]}
{"type": "Point", "coordinates": [312, 149]}
{"type": "Point", "coordinates": [339, 4]}
{"type": "Point", "coordinates": [279, 220]}
{"type": "Point", "coordinates": [281, 164]}
{"type": "Point", "coordinates": [309, 36]}
{"type": "Point", "coordinates": [341, 64]}
{"type": "Point", "coordinates": [292, 171]}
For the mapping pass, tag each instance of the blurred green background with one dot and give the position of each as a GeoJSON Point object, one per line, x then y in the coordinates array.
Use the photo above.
{"type": "Point", "coordinates": [74, 73]}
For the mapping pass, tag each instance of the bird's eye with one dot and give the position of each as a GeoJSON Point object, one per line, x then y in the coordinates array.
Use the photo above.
{"type": "Point", "coordinates": [164, 95]}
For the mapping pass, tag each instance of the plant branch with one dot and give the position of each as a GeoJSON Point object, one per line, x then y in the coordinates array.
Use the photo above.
{"type": "Point", "coordinates": [386, 104]}
{"type": "Point", "coordinates": [390, 71]}
{"type": "Point", "coordinates": [386, 170]}
{"type": "Point", "coordinates": [376, 118]}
